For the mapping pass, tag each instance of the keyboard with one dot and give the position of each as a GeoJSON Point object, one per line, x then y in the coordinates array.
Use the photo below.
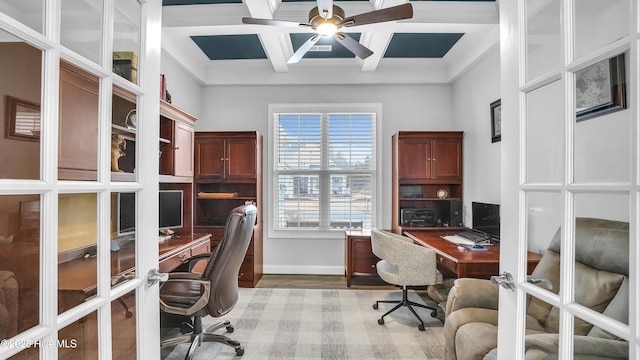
{"type": "Point", "coordinates": [474, 235]}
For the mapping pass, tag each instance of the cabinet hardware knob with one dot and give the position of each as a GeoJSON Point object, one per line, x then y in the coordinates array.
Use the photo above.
{"type": "Point", "coordinates": [177, 147]}
{"type": "Point", "coordinates": [221, 159]}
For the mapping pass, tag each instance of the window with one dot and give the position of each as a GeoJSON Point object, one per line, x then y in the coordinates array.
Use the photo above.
{"type": "Point", "coordinates": [324, 170]}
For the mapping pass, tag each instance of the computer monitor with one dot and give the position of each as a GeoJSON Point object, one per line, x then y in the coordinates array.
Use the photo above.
{"type": "Point", "coordinates": [169, 211]}
{"type": "Point", "coordinates": [486, 218]}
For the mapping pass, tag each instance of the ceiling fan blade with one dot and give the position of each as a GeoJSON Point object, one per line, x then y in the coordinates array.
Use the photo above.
{"type": "Point", "coordinates": [352, 45]}
{"type": "Point", "coordinates": [297, 56]}
{"type": "Point", "coordinates": [254, 21]}
{"type": "Point", "coordinates": [325, 6]}
{"type": "Point", "coordinates": [400, 12]}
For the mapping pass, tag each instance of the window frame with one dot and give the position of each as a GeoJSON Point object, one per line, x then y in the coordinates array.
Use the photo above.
{"type": "Point", "coordinates": [324, 109]}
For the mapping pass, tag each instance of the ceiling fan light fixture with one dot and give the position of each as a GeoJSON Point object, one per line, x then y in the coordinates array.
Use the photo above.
{"type": "Point", "coordinates": [327, 29]}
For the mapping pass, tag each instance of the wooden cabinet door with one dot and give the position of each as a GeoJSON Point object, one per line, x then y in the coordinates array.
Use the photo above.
{"type": "Point", "coordinates": [209, 158]}
{"type": "Point", "coordinates": [183, 150]}
{"type": "Point", "coordinates": [241, 159]}
{"type": "Point", "coordinates": [78, 132]}
{"type": "Point", "coordinates": [446, 159]}
{"type": "Point", "coordinates": [413, 155]}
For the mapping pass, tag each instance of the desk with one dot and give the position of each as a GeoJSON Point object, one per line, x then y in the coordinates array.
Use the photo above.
{"type": "Point", "coordinates": [453, 262]}
{"type": "Point", "coordinates": [359, 259]}
{"type": "Point", "coordinates": [77, 278]}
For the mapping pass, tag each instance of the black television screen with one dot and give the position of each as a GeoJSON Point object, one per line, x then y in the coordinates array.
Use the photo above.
{"type": "Point", "coordinates": [486, 218]}
{"type": "Point", "coordinates": [169, 211]}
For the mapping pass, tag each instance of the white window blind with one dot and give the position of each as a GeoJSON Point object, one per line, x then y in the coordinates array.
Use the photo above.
{"type": "Point", "coordinates": [325, 166]}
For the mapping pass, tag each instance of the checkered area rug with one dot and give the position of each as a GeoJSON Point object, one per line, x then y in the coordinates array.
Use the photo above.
{"type": "Point", "coordinates": [323, 324]}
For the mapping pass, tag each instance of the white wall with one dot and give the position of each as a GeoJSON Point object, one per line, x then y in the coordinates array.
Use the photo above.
{"type": "Point", "coordinates": [472, 94]}
{"type": "Point", "coordinates": [404, 107]}
{"type": "Point", "coordinates": [186, 92]}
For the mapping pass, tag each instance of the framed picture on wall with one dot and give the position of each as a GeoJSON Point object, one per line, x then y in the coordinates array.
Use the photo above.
{"type": "Point", "coordinates": [496, 121]}
{"type": "Point", "coordinates": [601, 88]}
{"type": "Point", "coordinates": [22, 119]}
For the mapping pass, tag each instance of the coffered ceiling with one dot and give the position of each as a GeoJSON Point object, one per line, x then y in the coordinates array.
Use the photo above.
{"type": "Point", "coordinates": [441, 40]}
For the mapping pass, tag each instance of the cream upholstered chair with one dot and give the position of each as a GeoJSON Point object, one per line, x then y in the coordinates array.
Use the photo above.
{"type": "Point", "coordinates": [404, 264]}
{"type": "Point", "coordinates": [602, 284]}
{"type": "Point", "coordinates": [215, 291]}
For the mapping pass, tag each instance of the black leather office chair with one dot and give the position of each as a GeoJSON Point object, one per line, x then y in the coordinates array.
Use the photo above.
{"type": "Point", "coordinates": [215, 291]}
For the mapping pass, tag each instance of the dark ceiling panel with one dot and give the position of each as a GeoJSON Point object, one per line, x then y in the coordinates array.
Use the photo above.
{"type": "Point", "coordinates": [198, 2]}
{"type": "Point", "coordinates": [337, 50]}
{"type": "Point", "coordinates": [419, 45]}
{"type": "Point", "coordinates": [231, 47]}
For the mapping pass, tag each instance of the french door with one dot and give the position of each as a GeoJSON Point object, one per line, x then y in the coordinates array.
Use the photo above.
{"type": "Point", "coordinates": [73, 279]}
{"type": "Point", "coordinates": [570, 127]}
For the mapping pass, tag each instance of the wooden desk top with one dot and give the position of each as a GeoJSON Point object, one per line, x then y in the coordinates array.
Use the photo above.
{"type": "Point", "coordinates": [81, 274]}
{"type": "Point", "coordinates": [465, 263]}
{"type": "Point", "coordinates": [434, 240]}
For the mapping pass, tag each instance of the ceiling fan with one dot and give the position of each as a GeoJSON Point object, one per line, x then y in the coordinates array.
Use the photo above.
{"type": "Point", "coordinates": [327, 19]}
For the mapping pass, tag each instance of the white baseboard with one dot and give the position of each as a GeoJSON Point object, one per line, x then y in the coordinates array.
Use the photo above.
{"type": "Point", "coordinates": [303, 270]}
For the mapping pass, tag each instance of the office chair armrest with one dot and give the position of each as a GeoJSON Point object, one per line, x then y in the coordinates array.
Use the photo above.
{"type": "Point", "coordinates": [193, 261]}
{"type": "Point", "coordinates": [472, 293]}
{"type": "Point", "coordinates": [199, 304]}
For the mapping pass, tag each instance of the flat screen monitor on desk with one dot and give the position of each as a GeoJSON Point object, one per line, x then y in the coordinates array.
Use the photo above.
{"type": "Point", "coordinates": [169, 211]}
{"type": "Point", "coordinates": [486, 218]}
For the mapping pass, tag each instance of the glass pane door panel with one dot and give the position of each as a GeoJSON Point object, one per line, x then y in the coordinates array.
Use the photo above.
{"type": "Point", "coordinates": [544, 134]}
{"type": "Point", "coordinates": [599, 23]}
{"type": "Point", "coordinates": [602, 251]}
{"type": "Point", "coordinates": [126, 41]}
{"type": "Point", "coordinates": [19, 262]}
{"type": "Point", "coordinates": [79, 340]}
{"type": "Point", "coordinates": [29, 353]}
{"type": "Point", "coordinates": [123, 135]}
{"type": "Point", "coordinates": [81, 27]}
{"type": "Point", "coordinates": [123, 327]}
{"type": "Point", "coordinates": [29, 13]}
{"type": "Point", "coordinates": [544, 42]}
{"type": "Point", "coordinates": [544, 217]}
{"type": "Point", "coordinates": [602, 142]}
{"type": "Point", "coordinates": [78, 133]}
{"type": "Point", "coordinates": [543, 323]}
{"type": "Point", "coordinates": [20, 63]}
{"type": "Point", "coordinates": [590, 341]}
{"type": "Point", "coordinates": [77, 250]}
{"type": "Point", "coordinates": [123, 236]}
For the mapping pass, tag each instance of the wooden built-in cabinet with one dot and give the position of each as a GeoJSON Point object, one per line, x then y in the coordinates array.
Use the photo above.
{"type": "Point", "coordinates": [228, 173]}
{"type": "Point", "coordinates": [426, 164]}
{"type": "Point", "coordinates": [78, 124]}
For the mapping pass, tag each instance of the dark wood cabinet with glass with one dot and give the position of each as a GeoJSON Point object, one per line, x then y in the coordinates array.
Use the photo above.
{"type": "Point", "coordinates": [228, 173]}
{"type": "Point", "coordinates": [427, 180]}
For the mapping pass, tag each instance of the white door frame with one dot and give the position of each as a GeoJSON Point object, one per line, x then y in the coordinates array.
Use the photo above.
{"type": "Point", "coordinates": [514, 87]}
{"type": "Point", "coordinates": [147, 303]}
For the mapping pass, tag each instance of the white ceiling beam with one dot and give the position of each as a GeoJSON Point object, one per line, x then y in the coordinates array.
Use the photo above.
{"type": "Point", "coordinates": [376, 42]}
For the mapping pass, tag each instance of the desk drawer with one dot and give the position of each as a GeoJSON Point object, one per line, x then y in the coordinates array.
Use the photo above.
{"type": "Point", "coordinates": [446, 264]}
{"type": "Point", "coordinates": [199, 249]}
{"type": "Point", "coordinates": [365, 265]}
{"type": "Point", "coordinates": [174, 261]}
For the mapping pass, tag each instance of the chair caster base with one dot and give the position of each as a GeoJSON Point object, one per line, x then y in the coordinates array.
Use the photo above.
{"type": "Point", "coordinates": [231, 329]}
{"type": "Point", "coordinates": [375, 306]}
{"type": "Point", "coordinates": [381, 321]}
{"type": "Point", "coordinates": [421, 327]}
{"type": "Point", "coordinates": [434, 313]}
{"type": "Point", "coordinates": [240, 351]}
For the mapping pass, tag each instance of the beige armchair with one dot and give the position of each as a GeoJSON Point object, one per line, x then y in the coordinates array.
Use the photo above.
{"type": "Point", "coordinates": [602, 284]}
